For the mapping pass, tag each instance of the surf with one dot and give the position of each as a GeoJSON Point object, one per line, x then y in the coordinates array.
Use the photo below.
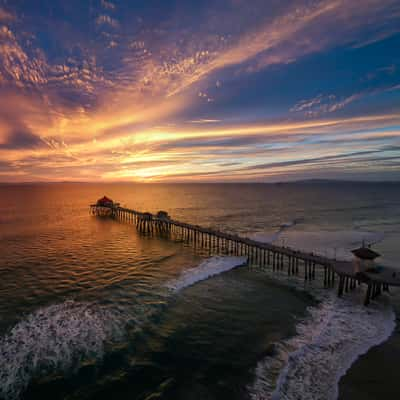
{"type": "Point", "coordinates": [57, 338]}
{"type": "Point", "coordinates": [205, 270]}
{"type": "Point", "coordinates": [329, 340]}
{"type": "Point", "coordinates": [327, 343]}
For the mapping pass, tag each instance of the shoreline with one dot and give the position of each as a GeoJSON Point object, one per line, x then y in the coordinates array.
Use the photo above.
{"type": "Point", "coordinates": [374, 375]}
{"type": "Point", "coordinates": [327, 347]}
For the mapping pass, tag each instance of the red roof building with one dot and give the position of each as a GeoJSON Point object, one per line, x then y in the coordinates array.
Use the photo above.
{"type": "Point", "coordinates": [105, 201]}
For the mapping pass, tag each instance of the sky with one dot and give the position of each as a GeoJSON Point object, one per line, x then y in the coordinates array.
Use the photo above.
{"type": "Point", "coordinates": [199, 91]}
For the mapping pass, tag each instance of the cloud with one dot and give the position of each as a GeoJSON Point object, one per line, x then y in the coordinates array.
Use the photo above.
{"type": "Point", "coordinates": [15, 134]}
{"type": "Point", "coordinates": [107, 20]}
{"type": "Point", "coordinates": [381, 72]}
{"type": "Point", "coordinates": [21, 139]}
{"type": "Point", "coordinates": [377, 37]}
{"type": "Point", "coordinates": [15, 65]}
{"type": "Point", "coordinates": [29, 69]}
{"type": "Point", "coordinates": [306, 105]}
{"type": "Point", "coordinates": [107, 5]}
{"type": "Point", "coordinates": [204, 121]}
{"type": "Point", "coordinates": [6, 16]}
{"type": "Point", "coordinates": [314, 160]}
{"type": "Point", "coordinates": [325, 104]}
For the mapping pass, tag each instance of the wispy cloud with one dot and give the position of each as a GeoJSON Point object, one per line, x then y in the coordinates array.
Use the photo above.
{"type": "Point", "coordinates": [6, 16]}
{"type": "Point", "coordinates": [107, 20]}
{"type": "Point", "coordinates": [204, 121]}
{"type": "Point", "coordinates": [108, 5]}
{"type": "Point", "coordinates": [379, 72]}
{"type": "Point", "coordinates": [323, 104]}
{"type": "Point", "coordinates": [377, 37]}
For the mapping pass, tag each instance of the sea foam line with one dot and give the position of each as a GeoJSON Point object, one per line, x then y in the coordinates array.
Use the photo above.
{"type": "Point", "coordinates": [329, 341]}
{"type": "Point", "coordinates": [335, 334]}
{"type": "Point", "coordinates": [206, 269]}
{"type": "Point", "coordinates": [333, 244]}
{"type": "Point", "coordinates": [52, 339]}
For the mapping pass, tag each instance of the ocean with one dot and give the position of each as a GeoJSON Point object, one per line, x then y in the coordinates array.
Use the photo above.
{"type": "Point", "coordinates": [91, 309]}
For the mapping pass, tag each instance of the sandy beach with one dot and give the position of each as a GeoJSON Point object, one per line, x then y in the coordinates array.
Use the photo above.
{"type": "Point", "coordinates": [375, 375]}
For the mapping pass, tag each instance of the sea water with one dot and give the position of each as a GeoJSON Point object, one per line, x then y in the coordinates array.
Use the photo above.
{"type": "Point", "coordinates": [91, 309]}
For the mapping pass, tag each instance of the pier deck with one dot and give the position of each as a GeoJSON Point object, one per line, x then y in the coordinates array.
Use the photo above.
{"type": "Point", "coordinates": [278, 257]}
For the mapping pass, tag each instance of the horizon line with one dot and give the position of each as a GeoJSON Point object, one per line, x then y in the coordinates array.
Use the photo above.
{"type": "Point", "coordinates": [311, 180]}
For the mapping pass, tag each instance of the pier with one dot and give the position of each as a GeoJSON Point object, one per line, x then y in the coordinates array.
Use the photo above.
{"type": "Point", "coordinates": [279, 258]}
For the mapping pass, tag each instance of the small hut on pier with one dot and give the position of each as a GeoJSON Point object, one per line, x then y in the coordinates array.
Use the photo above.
{"type": "Point", "coordinates": [163, 215]}
{"type": "Point", "coordinates": [105, 202]}
{"type": "Point", "coordinates": [105, 207]}
{"type": "Point", "coordinates": [147, 216]}
{"type": "Point", "coordinates": [364, 258]}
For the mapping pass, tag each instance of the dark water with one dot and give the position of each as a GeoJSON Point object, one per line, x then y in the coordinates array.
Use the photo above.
{"type": "Point", "coordinates": [85, 305]}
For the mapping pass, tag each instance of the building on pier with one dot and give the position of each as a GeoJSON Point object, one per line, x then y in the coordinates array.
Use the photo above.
{"type": "Point", "coordinates": [105, 207]}
{"type": "Point", "coordinates": [364, 259]}
{"type": "Point", "coordinates": [163, 215]}
{"type": "Point", "coordinates": [105, 202]}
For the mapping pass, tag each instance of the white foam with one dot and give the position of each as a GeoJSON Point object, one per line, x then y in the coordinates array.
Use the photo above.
{"type": "Point", "coordinates": [52, 339]}
{"type": "Point", "coordinates": [289, 224]}
{"type": "Point", "coordinates": [334, 335]}
{"type": "Point", "coordinates": [274, 236]}
{"type": "Point", "coordinates": [208, 268]}
{"type": "Point", "coordinates": [333, 244]}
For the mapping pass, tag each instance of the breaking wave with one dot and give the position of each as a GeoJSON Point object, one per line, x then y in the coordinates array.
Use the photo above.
{"type": "Point", "coordinates": [210, 267]}
{"type": "Point", "coordinates": [273, 237]}
{"type": "Point", "coordinates": [287, 225]}
{"type": "Point", "coordinates": [327, 343]}
{"type": "Point", "coordinates": [52, 339]}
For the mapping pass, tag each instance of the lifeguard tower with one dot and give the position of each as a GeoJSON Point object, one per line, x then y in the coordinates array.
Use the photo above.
{"type": "Point", "coordinates": [364, 258]}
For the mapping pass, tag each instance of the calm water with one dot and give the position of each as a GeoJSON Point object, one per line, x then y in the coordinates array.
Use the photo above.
{"type": "Point", "coordinates": [87, 310]}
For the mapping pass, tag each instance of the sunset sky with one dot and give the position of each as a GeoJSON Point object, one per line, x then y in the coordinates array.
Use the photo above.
{"type": "Point", "coordinates": [176, 91]}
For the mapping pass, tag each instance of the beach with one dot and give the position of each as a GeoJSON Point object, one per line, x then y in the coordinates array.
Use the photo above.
{"type": "Point", "coordinates": [364, 382]}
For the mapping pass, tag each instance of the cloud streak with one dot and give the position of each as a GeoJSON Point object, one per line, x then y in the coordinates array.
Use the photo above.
{"type": "Point", "coordinates": [118, 93]}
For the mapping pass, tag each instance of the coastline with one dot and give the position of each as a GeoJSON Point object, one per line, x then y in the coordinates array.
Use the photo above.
{"type": "Point", "coordinates": [375, 375]}
{"type": "Point", "coordinates": [329, 343]}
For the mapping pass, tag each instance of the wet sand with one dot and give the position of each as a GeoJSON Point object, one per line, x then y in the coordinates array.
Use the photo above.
{"type": "Point", "coordinates": [375, 375]}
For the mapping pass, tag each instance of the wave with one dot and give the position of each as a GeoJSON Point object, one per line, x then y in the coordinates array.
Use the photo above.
{"type": "Point", "coordinates": [289, 224]}
{"type": "Point", "coordinates": [208, 268]}
{"type": "Point", "coordinates": [52, 339]}
{"type": "Point", "coordinates": [333, 244]}
{"type": "Point", "coordinates": [327, 343]}
{"type": "Point", "coordinates": [273, 237]}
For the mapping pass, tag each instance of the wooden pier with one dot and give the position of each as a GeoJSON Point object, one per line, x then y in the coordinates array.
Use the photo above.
{"type": "Point", "coordinates": [279, 258]}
